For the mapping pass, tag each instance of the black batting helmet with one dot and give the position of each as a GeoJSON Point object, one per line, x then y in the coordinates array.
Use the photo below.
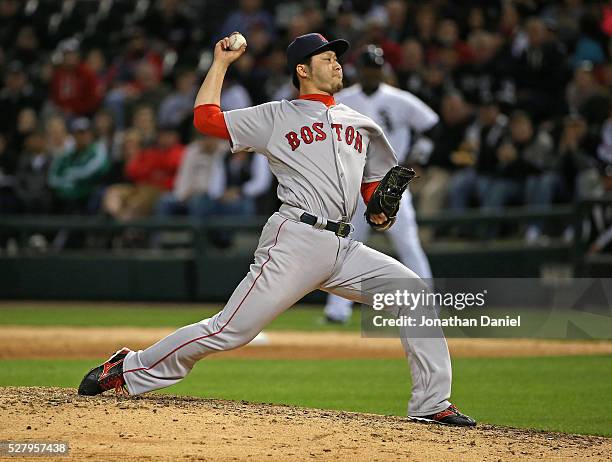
{"type": "Point", "coordinates": [372, 56]}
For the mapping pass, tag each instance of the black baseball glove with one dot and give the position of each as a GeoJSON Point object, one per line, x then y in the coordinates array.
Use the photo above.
{"type": "Point", "coordinates": [387, 195]}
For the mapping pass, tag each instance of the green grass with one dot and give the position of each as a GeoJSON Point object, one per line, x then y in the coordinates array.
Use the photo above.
{"type": "Point", "coordinates": [536, 324]}
{"type": "Point", "coordinates": [567, 394]}
{"type": "Point", "coordinates": [303, 317]}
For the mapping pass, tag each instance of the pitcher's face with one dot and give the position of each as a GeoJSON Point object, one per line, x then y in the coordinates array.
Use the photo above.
{"type": "Point", "coordinates": [326, 72]}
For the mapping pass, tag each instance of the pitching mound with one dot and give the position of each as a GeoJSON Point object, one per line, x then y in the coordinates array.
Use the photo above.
{"type": "Point", "coordinates": [158, 427]}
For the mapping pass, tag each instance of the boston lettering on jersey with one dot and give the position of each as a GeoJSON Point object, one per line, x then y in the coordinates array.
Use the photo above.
{"type": "Point", "coordinates": [315, 133]}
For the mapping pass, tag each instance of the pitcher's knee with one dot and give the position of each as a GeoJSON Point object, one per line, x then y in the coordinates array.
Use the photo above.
{"type": "Point", "coordinates": [231, 339]}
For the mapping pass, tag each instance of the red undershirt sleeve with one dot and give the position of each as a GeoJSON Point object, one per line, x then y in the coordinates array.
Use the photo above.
{"type": "Point", "coordinates": [367, 189]}
{"type": "Point", "coordinates": [209, 119]}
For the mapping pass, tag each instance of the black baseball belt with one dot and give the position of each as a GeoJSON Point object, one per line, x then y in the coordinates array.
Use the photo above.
{"type": "Point", "coordinates": [339, 228]}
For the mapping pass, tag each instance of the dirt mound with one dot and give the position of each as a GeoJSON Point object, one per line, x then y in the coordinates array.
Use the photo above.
{"type": "Point", "coordinates": [98, 342]}
{"type": "Point", "coordinates": [156, 427]}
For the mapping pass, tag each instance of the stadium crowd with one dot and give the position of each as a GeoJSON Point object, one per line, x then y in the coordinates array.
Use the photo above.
{"type": "Point", "coordinates": [97, 96]}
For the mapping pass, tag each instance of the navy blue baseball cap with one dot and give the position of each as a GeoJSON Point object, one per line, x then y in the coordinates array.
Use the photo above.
{"type": "Point", "coordinates": [308, 45]}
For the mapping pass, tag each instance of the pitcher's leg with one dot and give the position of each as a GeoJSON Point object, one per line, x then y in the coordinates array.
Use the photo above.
{"type": "Point", "coordinates": [275, 282]}
{"type": "Point", "coordinates": [431, 372]}
{"type": "Point", "coordinates": [169, 360]}
{"type": "Point", "coordinates": [337, 308]}
{"type": "Point", "coordinates": [429, 359]}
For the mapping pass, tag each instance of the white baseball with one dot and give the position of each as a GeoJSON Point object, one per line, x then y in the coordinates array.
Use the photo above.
{"type": "Point", "coordinates": [236, 40]}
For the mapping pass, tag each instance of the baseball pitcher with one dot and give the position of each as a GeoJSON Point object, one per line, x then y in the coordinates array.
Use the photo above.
{"type": "Point", "coordinates": [323, 154]}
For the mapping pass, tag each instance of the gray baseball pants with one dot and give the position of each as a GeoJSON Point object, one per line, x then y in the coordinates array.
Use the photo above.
{"type": "Point", "coordinates": [291, 260]}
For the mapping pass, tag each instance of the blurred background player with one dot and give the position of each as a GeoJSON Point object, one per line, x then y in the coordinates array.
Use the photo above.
{"type": "Point", "coordinates": [400, 113]}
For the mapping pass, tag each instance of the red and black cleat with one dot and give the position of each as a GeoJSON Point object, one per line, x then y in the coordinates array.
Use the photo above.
{"type": "Point", "coordinates": [105, 376]}
{"type": "Point", "coordinates": [449, 416]}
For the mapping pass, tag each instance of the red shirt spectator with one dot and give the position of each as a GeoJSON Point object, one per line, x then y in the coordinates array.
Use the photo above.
{"type": "Point", "coordinates": [74, 87]}
{"type": "Point", "coordinates": [157, 166]}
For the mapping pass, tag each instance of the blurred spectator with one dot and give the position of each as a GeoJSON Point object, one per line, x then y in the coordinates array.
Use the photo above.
{"type": "Point", "coordinates": [604, 154]}
{"type": "Point", "coordinates": [157, 166]}
{"type": "Point", "coordinates": [59, 140]}
{"type": "Point", "coordinates": [176, 109]}
{"type": "Point", "coordinates": [107, 135]}
{"type": "Point", "coordinates": [169, 22]}
{"type": "Point", "coordinates": [348, 24]}
{"type": "Point", "coordinates": [199, 180]}
{"type": "Point", "coordinates": [488, 73]}
{"type": "Point", "coordinates": [10, 19]}
{"type": "Point", "coordinates": [510, 28]}
{"type": "Point", "coordinates": [32, 174]}
{"type": "Point", "coordinates": [411, 71]}
{"type": "Point", "coordinates": [588, 46]}
{"type": "Point", "coordinates": [477, 19]}
{"type": "Point", "coordinates": [396, 12]}
{"type": "Point", "coordinates": [244, 177]}
{"type": "Point", "coordinates": [443, 155]}
{"type": "Point", "coordinates": [145, 122]}
{"type": "Point", "coordinates": [96, 61]}
{"type": "Point", "coordinates": [151, 171]}
{"type": "Point", "coordinates": [27, 122]}
{"type": "Point", "coordinates": [74, 175]}
{"type": "Point", "coordinates": [17, 94]}
{"type": "Point", "coordinates": [146, 89]}
{"type": "Point", "coordinates": [586, 96]}
{"type": "Point", "coordinates": [437, 83]}
{"type": "Point", "coordinates": [447, 39]}
{"type": "Point", "coordinates": [298, 18]}
{"type": "Point", "coordinates": [74, 88]}
{"type": "Point", "coordinates": [260, 40]}
{"type": "Point", "coordinates": [603, 186]}
{"type": "Point", "coordinates": [563, 15]}
{"type": "Point", "coordinates": [8, 160]}
{"type": "Point", "coordinates": [298, 25]}
{"type": "Point", "coordinates": [482, 140]}
{"type": "Point", "coordinates": [250, 12]}
{"type": "Point", "coordinates": [27, 49]}
{"type": "Point", "coordinates": [540, 73]}
{"type": "Point", "coordinates": [266, 80]}
{"type": "Point", "coordinates": [425, 24]}
{"type": "Point", "coordinates": [131, 145]}
{"type": "Point", "coordinates": [578, 164]}
{"type": "Point", "coordinates": [137, 50]}
{"type": "Point", "coordinates": [247, 176]}
{"type": "Point", "coordinates": [310, 12]}
{"type": "Point", "coordinates": [526, 172]}
{"type": "Point", "coordinates": [234, 95]}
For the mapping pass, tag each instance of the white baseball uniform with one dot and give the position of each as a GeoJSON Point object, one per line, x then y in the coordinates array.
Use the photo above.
{"type": "Point", "coordinates": [320, 156]}
{"type": "Point", "coordinates": [398, 113]}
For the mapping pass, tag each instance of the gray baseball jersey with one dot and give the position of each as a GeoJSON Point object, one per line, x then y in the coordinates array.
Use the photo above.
{"type": "Point", "coordinates": [320, 156]}
{"type": "Point", "coordinates": [298, 137]}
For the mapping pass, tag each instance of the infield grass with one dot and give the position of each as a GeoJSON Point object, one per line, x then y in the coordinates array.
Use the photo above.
{"type": "Point", "coordinates": [567, 394]}
{"type": "Point", "coordinates": [303, 317]}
